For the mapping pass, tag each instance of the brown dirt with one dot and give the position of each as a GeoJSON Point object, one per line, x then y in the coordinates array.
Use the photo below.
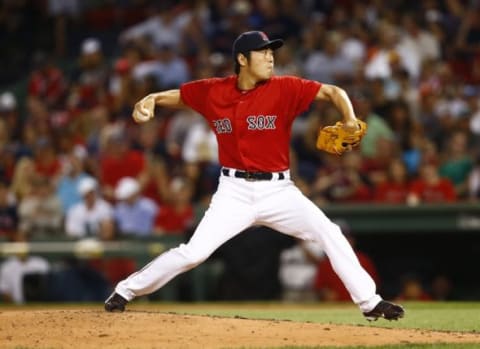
{"type": "Point", "coordinates": [92, 329]}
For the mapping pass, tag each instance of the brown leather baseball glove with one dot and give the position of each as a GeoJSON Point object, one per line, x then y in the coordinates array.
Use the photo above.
{"type": "Point", "coordinates": [337, 139]}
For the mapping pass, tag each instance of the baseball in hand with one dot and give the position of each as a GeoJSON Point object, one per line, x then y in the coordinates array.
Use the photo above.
{"type": "Point", "coordinates": [144, 109]}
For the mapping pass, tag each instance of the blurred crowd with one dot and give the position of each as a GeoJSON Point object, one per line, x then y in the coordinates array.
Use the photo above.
{"type": "Point", "coordinates": [412, 71]}
{"type": "Point", "coordinates": [73, 163]}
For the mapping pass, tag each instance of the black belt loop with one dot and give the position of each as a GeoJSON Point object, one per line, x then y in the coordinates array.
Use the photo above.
{"type": "Point", "coordinates": [252, 176]}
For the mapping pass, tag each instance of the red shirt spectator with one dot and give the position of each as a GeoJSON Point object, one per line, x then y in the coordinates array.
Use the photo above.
{"type": "Point", "coordinates": [47, 162]}
{"type": "Point", "coordinates": [395, 189]}
{"type": "Point", "coordinates": [391, 192]}
{"type": "Point", "coordinates": [47, 82]}
{"type": "Point", "coordinates": [431, 188]}
{"type": "Point", "coordinates": [176, 216]}
{"type": "Point", "coordinates": [173, 220]}
{"type": "Point", "coordinates": [119, 161]}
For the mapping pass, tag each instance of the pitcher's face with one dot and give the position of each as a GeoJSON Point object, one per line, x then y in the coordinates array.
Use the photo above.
{"type": "Point", "coordinates": [261, 64]}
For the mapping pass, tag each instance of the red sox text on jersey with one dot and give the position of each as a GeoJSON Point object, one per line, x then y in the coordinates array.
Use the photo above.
{"type": "Point", "coordinates": [260, 122]}
{"type": "Point", "coordinates": [237, 117]}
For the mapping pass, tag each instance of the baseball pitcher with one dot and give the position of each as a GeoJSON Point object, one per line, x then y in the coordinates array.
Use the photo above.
{"type": "Point", "coordinates": [251, 114]}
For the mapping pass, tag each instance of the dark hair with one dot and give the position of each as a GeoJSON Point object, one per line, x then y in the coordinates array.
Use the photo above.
{"type": "Point", "coordinates": [237, 65]}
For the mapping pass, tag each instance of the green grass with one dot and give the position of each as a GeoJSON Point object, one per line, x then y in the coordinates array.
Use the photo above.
{"type": "Point", "coordinates": [450, 316]}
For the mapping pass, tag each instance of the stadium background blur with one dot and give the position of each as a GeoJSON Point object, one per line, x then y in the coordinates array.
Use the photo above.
{"type": "Point", "coordinates": [72, 70]}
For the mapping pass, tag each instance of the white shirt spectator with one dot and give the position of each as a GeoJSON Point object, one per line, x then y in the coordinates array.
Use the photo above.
{"type": "Point", "coordinates": [162, 33]}
{"type": "Point", "coordinates": [297, 269]}
{"type": "Point", "coordinates": [82, 222]}
{"type": "Point", "coordinates": [14, 269]}
{"type": "Point", "coordinates": [417, 46]}
{"type": "Point", "coordinates": [379, 65]}
{"type": "Point", "coordinates": [321, 67]}
{"type": "Point", "coordinates": [200, 144]}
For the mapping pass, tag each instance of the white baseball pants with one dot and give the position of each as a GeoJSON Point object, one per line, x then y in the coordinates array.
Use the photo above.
{"type": "Point", "coordinates": [238, 204]}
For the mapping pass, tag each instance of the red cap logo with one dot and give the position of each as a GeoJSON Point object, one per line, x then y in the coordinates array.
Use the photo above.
{"type": "Point", "coordinates": [264, 36]}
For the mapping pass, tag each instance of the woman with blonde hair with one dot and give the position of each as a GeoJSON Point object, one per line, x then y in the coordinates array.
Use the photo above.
{"type": "Point", "coordinates": [23, 176]}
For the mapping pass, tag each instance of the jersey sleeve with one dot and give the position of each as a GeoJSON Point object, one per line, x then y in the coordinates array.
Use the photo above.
{"type": "Point", "coordinates": [303, 92]}
{"type": "Point", "coordinates": [195, 94]}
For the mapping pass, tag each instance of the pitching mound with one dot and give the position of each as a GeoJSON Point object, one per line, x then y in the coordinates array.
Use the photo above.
{"type": "Point", "coordinates": [93, 329]}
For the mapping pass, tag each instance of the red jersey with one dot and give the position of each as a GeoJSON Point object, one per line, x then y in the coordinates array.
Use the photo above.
{"type": "Point", "coordinates": [443, 191]}
{"type": "Point", "coordinates": [113, 169]}
{"type": "Point", "coordinates": [252, 127]}
{"type": "Point", "coordinates": [391, 192]}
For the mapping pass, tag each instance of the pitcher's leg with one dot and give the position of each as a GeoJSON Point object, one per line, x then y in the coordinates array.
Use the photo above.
{"type": "Point", "coordinates": [227, 216]}
{"type": "Point", "coordinates": [296, 215]}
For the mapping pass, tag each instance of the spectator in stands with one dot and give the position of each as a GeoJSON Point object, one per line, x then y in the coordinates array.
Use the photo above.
{"type": "Point", "coordinates": [394, 190]}
{"type": "Point", "coordinates": [429, 187]}
{"type": "Point", "coordinates": [412, 289]}
{"type": "Point", "coordinates": [47, 83]}
{"type": "Point", "coordinates": [121, 88]}
{"type": "Point", "coordinates": [400, 120]}
{"type": "Point", "coordinates": [172, 69]}
{"type": "Point", "coordinates": [23, 176]}
{"type": "Point", "coordinates": [134, 213]}
{"type": "Point", "coordinates": [377, 126]}
{"type": "Point", "coordinates": [416, 45]}
{"type": "Point", "coordinates": [88, 100]}
{"type": "Point", "coordinates": [346, 182]}
{"type": "Point", "coordinates": [474, 182]}
{"type": "Point", "coordinates": [285, 63]}
{"type": "Point", "coordinates": [376, 166]}
{"type": "Point", "coordinates": [93, 217]}
{"type": "Point", "coordinates": [12, 273]}
{"type": "Point", "coordinates": [441, 287]}
{"type": "Point", "coordinates": [89, 79]}
{"type": "Point", "coordinates": [304, 145]}
{"type": "Point", "coordinates": [457, 163]}
{"type": "Point", "coordinates": [164, 26]}
{"type": "Point", "coordinates": [118, 160]}
{"type": "Point", "coordinates": [176, 215]}
{"type": "Point", "coordinates": [73, 172]}
{"type": "Point", "coordinates": [297, 270]}
{"type": "Point", "coordinates": [177, 131]}
{"type": "Point", "coordinates": [385, 57]}
{"type": "Point", "coordinates": [8, 212]}
{"type": "Point", "coordinates": [329, 65]}
{"type": "Point", "coordinates": [155, 176]}
{"type": "Point", "coordinates": [45, 157]}
{"type": "Point", "coordinates": [9, 114]}
{"type": "Point", "coordinates": [40, 211]}
{"type": "Point", "coordinates": [327, 284]}
{"type": "Point", "coordinates": [200, 157]}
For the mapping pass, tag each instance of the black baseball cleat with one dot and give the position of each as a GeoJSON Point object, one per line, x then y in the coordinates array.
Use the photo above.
{"type": "Point", "coordinates": [115, 303]}
{"type": "Point", "coordinates": [386, 310]}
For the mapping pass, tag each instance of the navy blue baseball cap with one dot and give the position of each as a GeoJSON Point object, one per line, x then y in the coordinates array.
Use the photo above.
{"type": "Point", "coordinates": [252, 41]}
